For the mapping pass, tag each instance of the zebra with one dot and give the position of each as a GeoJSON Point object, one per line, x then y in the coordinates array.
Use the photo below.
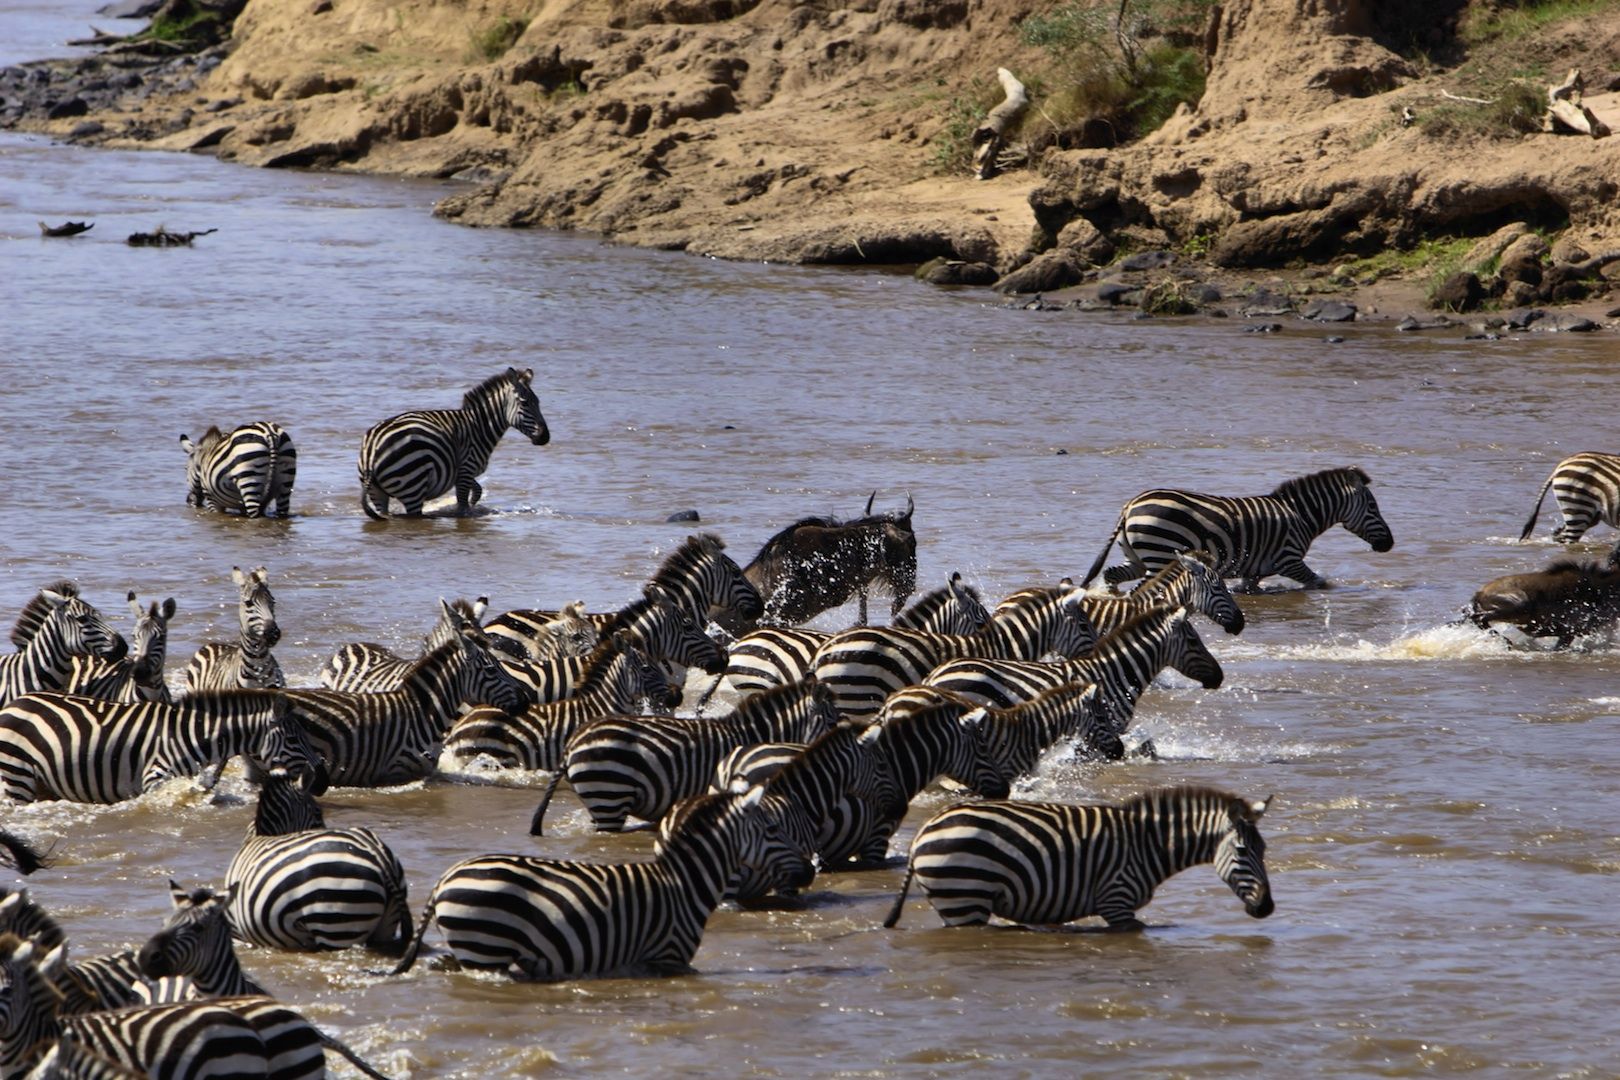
{"type": "Point", "coordinates": [1123, 665]}
{"type": "Point", "coordinates": [1189, 580]}
{"type": "Point", "coordinates": [297, 884]}
{"type": "Point", "coordinates": [1016, 737]}
{"type": "Point", "coordinates": [244, 470]}
{"type": "Point", "coordinates": [698, 576]}
{"type": "Point", "coordinates": [19, 915]}
{"type": "Point", "coordinates": [137, 677]}
{"type": "Point", "coordinates": [19, 855]}
{"type": "Point", "coordinates": [557, 919]}
{"type": "Point", "coordinates": [864, 666]}
{"type": "Point", "coordinates": [623, 765]}
{"type": "Point", "coordinates": [1586, 488]}
{"type": "Point", "coordinates": [1048, 863]}
{"type": "Point", "coordinates": [364, 667]}
{"type": "Point", "coordinates": [395, 737]}
{"type": "Point", "coordinates": [420, 455]}
{"type": "Point", "coordinates": [54, 627]}
{"type": "Point", "coordinates": [778, 655]}
{"type": "Point", "coordinates": [617, 676]}
{"type": "Point", "coordinates": [247, 664]}
{"type": "Point", "coordinates": [71, 1060]}
{"type": "Point", "coordinates": [1249, 538]}
{"type": "Point", "coordinates": [61, 746]}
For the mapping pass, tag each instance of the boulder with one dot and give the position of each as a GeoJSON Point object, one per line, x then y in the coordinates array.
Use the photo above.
{"type": "Point", "coordinates": [1330, 311]}
{"type": "Point", "coordinates": [1519, 294]}
{"type": "Point", "coordinates": [73, 106]}
{"type": "Point", "coordinates": [956, 272]}
{"type": "Point", "coordinates": [1147, 260]}
{"type": "Point", "coordinates": [1459, 292]}
{"type": "Point", "coordinates": [1412, 323]}
{"type": "Point", "coordinates": [1564, 322]}
{"type": "Point", "coordinates": [1054, 269]}
{"type": "Point", "coordinates": [1266, 302]}
{"type": "Point", "coordinates": [1524, 318]}
{"type": "Point", "coordinates": [1492, 246]}
{"type": "Point", "coordinates": [1567, 250]}
{"type": "Point", "coordinates": [1086, 240]}
{"type": "Point", "coordinates": [1119, 292]}
{"type": "Point", "coordinates": [1521, 260]}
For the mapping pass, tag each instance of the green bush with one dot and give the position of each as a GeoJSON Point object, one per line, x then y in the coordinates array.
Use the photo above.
{"type": "Point", "coordinates": [1511, 108]}
{"type": "Point", "coordinates": [492, 42]}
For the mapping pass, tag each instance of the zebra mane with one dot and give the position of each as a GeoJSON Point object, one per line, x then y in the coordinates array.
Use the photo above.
{"type": "Point", "coordinates": [627, 615]}
{"type": "Point", "coordinates": [698, 814]}
{"type": "Point", "coordinates": [1183, 793]}
{"type": "Point", "coordinates": [693, 550]}
{"type": "Point", "coordinates": [36, 611]}
{"type": "Point", "coordinates": [487, 389]}
{"type": "Point", "coordinates": [230, 697]}
{"type": "Point", "coordinates": [597, 663]}
{"type": "Point", "coordinates": [1345, 476]}
{"type": "Point", "coordinates": [934, 599]}
{"type": "Point", "coordinates": [1153, 614]}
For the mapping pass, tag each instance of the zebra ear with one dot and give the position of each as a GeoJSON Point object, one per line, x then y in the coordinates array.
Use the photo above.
{"type": "Point", "coordinates": [238, 577]}
{"type": "Point", "coordinates": [53, 965]}
{"type": "Point", "coordinates": [751, 796]}
{"type": "Point", "coordinates": [135, 605]}
{"type": "Point", "coordinates": [261, 576]}
{"type": "Point", "coordinates": [974, 720]}
{"type": "Point", "coordinates": [1259, 807]}
{"type": "Point", "coordinates": [166, 611]}
{"type": "Point", "coordinates": [870, 736]}
{"type": "Point", "coordinates": [54, 598]}
{"type": "Point", "coordinates": [24, 953]}
{"type": "Point", "coordinates": [479, 606]}
{"type": "Point", "coordinates": [177, 895]}
{"type": "Point", "coordinates": [187, 445]}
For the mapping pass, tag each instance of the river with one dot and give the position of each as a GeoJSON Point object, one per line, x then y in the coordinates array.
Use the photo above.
{"type": "Point", "coordinates": [1444, 842]}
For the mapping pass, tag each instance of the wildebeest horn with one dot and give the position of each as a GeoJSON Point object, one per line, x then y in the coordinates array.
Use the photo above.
{"type": "Point", "coordinates": [869, 499]}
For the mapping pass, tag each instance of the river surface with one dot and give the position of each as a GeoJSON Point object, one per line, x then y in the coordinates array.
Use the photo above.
{"type": "Point", "coordinates": [1445, 841]}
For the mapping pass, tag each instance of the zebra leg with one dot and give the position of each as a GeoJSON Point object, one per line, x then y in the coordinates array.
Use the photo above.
{"type": "Point", "coordinates": [1296, 570]}
{"type": "Point", "coordinates": [283, 504]}
{"type": "Point", "coordinates": [1125, 924]}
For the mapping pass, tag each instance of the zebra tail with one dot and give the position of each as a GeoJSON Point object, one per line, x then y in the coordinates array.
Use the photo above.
{"type": "Point", "coordinates": [900, 901]}
{"type": "Point", "coordinates": [415, 946]}
{"type": "Point", "coordinates": [539, 819]}
{"type": "Point", "coordinates": [354, 1059]}
{"type": "Point", "coordinates": [375, 513]}
{"type": "Point", "coordinates": [1530, 526]}
{"type": "Point", "coordinates": [1102, 557]}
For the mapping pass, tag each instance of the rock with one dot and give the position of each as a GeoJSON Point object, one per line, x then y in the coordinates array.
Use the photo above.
{"type": "Point", "coordinates": [1521, 260]}
{"type": "Point", "coordinates": [1459, 292]}
{"type": "Point", "coordinates": [1564, 322]}
{"type": "Point", "coordinates": [221, 104]}
{"type": "Point", "coordinates": [1335, 339]}
{"type": "Point", "coordinates": [1483, 336]}
{"type": "Point", "coordinates": [1330, 311]}
{"type": "Point", "coordinates": [1412, 323]}
{"type": "Point", "coordinates": [944, 271]}
{"type": "Point", "coordinates": [73, 106]}
{"type": "Point", "coordinates": [1086, 240]}
{"type": "Point", "coordinates": [320, 7]}
{"type": "Point", "coordinates": [683, 515]}
{"type": "Point", "coordinates": [1524, 318]}
{"type": "Point", "coordinates": [1054, 269]}
{"type": "Point", "coordinates": [1266, 302]}
{"type": "Point", "coordinates": [1492, 246]}
{"type": "Point", "coordinates": [1203, 293]}
{"type": "Point", "coordinates": [1087, 303]}
{"type": "Point", "coordinates": [1567, 250]}
{"type": "Point", "coordinates": [1119, 292]}
{"type": "Point", "coordinates": [1147, 260]}
{"type": "Point", "coordinates": [1519, 294]}
{"type": "Point", "coordinates": [1563, 284]}
{"type": "Point", "coordinates": [85, 129]}
{"type": "Point", "coordinates": [1612, 313]}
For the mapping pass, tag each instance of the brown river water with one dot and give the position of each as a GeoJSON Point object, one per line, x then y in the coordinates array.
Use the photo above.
{"type": "Point", "coordinates": [1446, 835]}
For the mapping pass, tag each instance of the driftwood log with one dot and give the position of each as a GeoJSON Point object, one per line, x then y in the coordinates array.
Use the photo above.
{"type": "Point", "coordinates": [67, 228]}
{"type": "Point", "coordinates": [990, 138]}
{"type": "Point", "coordinates": [164, 238]}
{"type": "Point", "coordinates": [1565, 111]}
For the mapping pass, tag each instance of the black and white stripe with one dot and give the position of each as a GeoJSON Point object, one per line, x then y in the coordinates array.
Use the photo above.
{"type": "Point", "coordinates": [1016, 737]}
{"type": "Point", "coordinates": [247, 663]}
{"type": "Point", "coordinates": [1249, 538]}
{"type": "Point", "coordinates": [53, 628]}
{"type": "Point", "coordinates": [552, 919]}
{"type": "Point", "coordinates": [297, 884]}
{"type": "Point", "coordinates": [364, 667]}
{"type": "Point", "coordinates": [19, 855]}
{"type": "Point", "coordinates": [864, 666]}
{"type": "Point", "coordinates": [642, 765]}
{"type": "Point", "coordinates": [1048, 863]}
{"type": "Point", "coordinates": [1586, 488]}
{"type": "Point", "coordinates": [137, 677]}
{"type": "Point", "coordinates": [19, 915]}
{"type": "Point", "coordinates": [71, 1060]}
{"type": "Point", "coordinates": [246, 470]}
{"type": "Point", "coordinates": [420, 455]}
{"type": "Point", "coordinates": [60, 746]}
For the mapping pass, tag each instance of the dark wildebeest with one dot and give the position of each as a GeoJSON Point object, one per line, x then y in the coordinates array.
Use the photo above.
{"type": "Point", "coordinates": [1568, 598]}
{"type": "Point", "coordinates": [818, 563]}
{"type": "Point", "coordinates": [18, 854]}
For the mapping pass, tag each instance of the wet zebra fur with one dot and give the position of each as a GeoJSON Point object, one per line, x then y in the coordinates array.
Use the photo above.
{"type": "Point", "coordinates": [864, 666]}
{"type": "Point", "coordinates": [1586, 488]}
{"type": "Point", "coordinates": [71, 1060]}
{"type": "Point", "coordinates": [419, 455]}
{"type": "Point", "coordinates": [554, 919]}
{"type": "Point", "coordinates": [1188, 580]}
{"type": "Point", "coordinates": [1249, 538]}
{"type": "Point", "coordinates": [642, 765]}
{"type": "Point", "coordinates": [55, 626]}
{"type": "Point", "coordinates": [617, 677]}
{"type": "Point", "coordinates": [364, 667]}
{"type": "Point", "coordinates": [19, 915]}
{"type": "Point", "coordinates": [139, 675]}
{"type": "Point", "coordinates": [60, 746]}
{"type": "Point", "coordinates": [247, 663]}
{"type": "Point", "coordinates": [297, 884]}
{"type": "Point", "coordinates": [1016, 737]}
{"type": "Point", "coordinates": [246, 470]}
{"type": "Point", "coordinates": [1048, 863]}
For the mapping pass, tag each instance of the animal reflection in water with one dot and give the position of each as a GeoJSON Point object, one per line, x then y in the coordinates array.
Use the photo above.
{"type": "Point", "coordinates": [1565, 600]}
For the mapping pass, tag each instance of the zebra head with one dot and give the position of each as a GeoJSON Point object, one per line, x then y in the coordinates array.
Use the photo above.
{"type": "Point", "coordinates": [774, 853]}
{"type": "Point", "coordinates": [28, 1000]}
{"type": "Point", "coordinates": [256, 607]}
{"type": "Point", "coordinates": [482, 680]}
{"type": "Point", "coordinates": [964, 601]}
{"type": "Point", "coordinates": [976, 766]}
{"type": "Point", "coordinates": [728, 587]}
{"type": "Point", "coordinates": [84, 632]}
{"type": "Point", "coordinates": [1206, 593]}
{"type": "Point", "coordinates": [461, 610]}
{"type": "Point", "coordinates": [571, 633]}
{"type": "Point", "coordinates": [151, 637]}
{"type": "Point", "coordinates": [649, 681]}
{"type": "Point", "coordinates": [670, 634]}
{"type": "Point", "coordinates": [523, 408]}
{"type": "Point", "coordinates": [196, 456]}
{"type": "Point", "coordinates": [1359, 513]}
{"type": "Point", "coordinates": [282, 748]}
{"type": "Point", "coordinates": [1240, 857]}
{"type": "Point", "coordinates": [822, 714]}
{"type": "Point", "coordinates": [195, 936]}
{"type": "Point", "coordinates": [1075, 634]}
{"type": "Point", "coordinates": [1188, 654]}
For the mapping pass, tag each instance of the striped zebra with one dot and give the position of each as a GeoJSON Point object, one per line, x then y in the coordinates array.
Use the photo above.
{"type": "Point", "coordinates": [248, 663]}
{"type": "Point", "coordinates": [641, 765]}
{"type": "Point", "coordinates": [53, 628]}
{"type": "Point", "coordinates": [617, 677]}
{"type": "Point", "coordinates": [19, 915]}
{"type": "Point", "coordinates": [420, 455]}
{"type": "Point", "coordinates": [60, 746]}
{"type": "Point", "coordinates": [1189, 580]}
{"type": "Point", "coordinates": [698, 576]}
{"type": "Point", "coordinates": [557, 919]}
{"type": "Point", "coordinates": [364, 667]}
{"type": "Point", "coordinates": [395, 737]}
{"type": "Point", "coordinates": [864, 666]}
{"type": "Point", "coordinates": [137, 677]}
{"type": "Point", "coordinates": [1043, 864]}
{"type": "Point", "coordinates": [779, 655]}
{"type": "Point", "coordinates": [297, 884]}
{"type": "Point", "coordinates": [19, 855]}
{"type": "Point", "coordinates": [1249, 538]}
{"type": "Point", "coordinates": [245, 470]}
{"type": "Point", "coordinates": [1016, 737]}
{"type": "Point", "coordinates": [1586, 488]}
{"type": "Point", "coordinates": [1123, 665]}
{"type": "Point", "coordinates": [70, 1060]}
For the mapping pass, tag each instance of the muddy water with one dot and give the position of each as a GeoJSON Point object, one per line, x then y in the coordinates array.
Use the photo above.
{"type": "Point", "coordinates": [1444, 844]}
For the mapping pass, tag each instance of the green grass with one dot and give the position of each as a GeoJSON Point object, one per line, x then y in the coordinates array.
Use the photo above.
{"type": "Point", "coordinates": [951, 148]}
{"type": "Point", "coordinates": [1436, 257]}
{"type": "Point", "coordinates": [492, 42]}
{"type": "Point", "coordinates": [1517, 20]}
{"type": "Point", "coordinates": [189, 25]}
{"type": "Point", "coordinates": [1513, 108]}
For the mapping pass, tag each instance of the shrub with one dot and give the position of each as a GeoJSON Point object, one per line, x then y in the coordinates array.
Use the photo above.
{"type": "Point", "coordinates": [1510, 108]}
{"type": "Point", "coordinates": [492, 42]}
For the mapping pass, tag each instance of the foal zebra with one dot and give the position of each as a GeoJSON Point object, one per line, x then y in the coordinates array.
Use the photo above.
{"type": "Point", "coordinates": [1250, 538]}
{"type": "Point", "coordinates": [1047, 863]}
{"type": "Point", "coordinates": [1586, 488]}
{"type": "Point", "coordinates": [864, 666]}
{"type": "Point", "coordinates": [59, 746]}
{"type": "Point", "coordinates": [246, 470]}
{"type": "Point", "coordinates": [247, 664]}
{"type": "Point", "coordinates": [643, 765]}
{"type": "Point", "coordinates": [53, 628]}
{"type": "Point", "coordinates": [137, 677]}
{"type": "Point", "coordinates": [420, 455]}
{"type": "Point", "coordinates": [364, 667]}
{"type": "Point", "coordinates": [554, 919]}
{"type": "Point", "coordinates": [297, 884]}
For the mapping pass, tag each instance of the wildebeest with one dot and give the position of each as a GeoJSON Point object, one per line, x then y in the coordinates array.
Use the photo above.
{"type": "Point", "coordinates": [1566, 599]}
{"type": "Point", "coordinates": [818, 563]}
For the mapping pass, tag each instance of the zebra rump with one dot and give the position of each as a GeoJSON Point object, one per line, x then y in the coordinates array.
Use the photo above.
{"type": "Point", "coordinates": [1586, 488]}
{"type": "Point", "coordinates": [246, 470]}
